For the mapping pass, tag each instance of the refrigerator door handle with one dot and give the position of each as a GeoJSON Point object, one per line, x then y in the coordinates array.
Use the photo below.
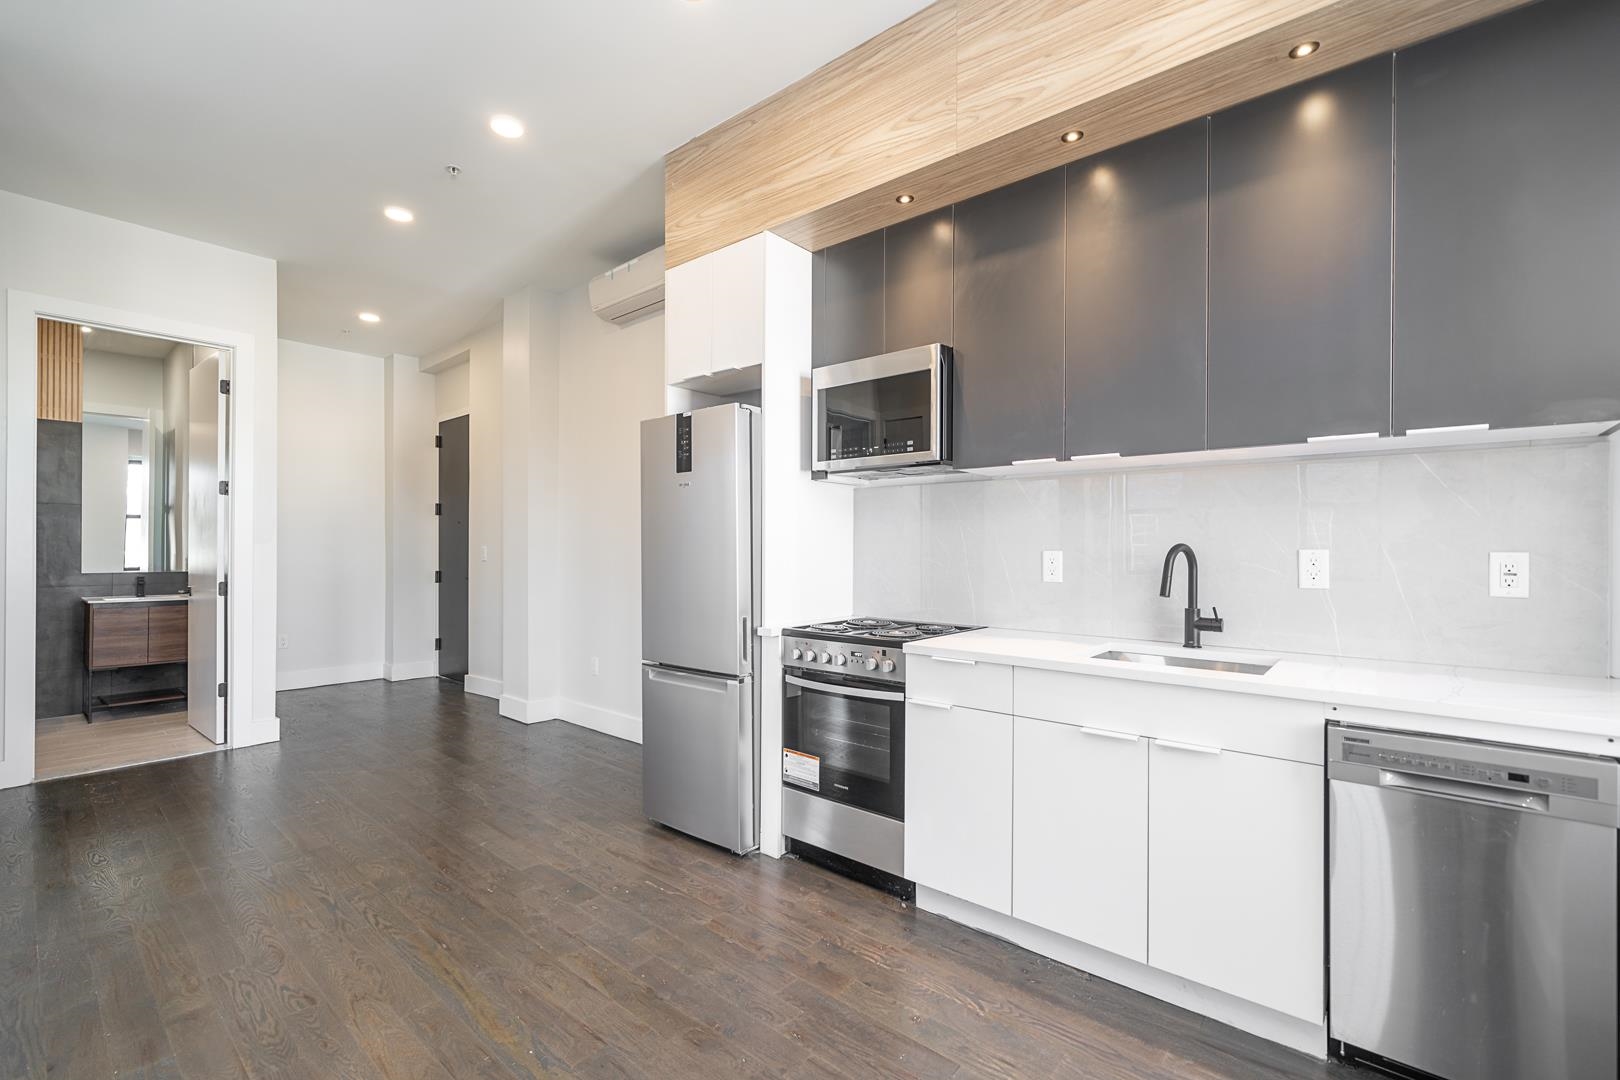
{"type": "Point", "coordinates": [746, 640]}
{"type": "Point", "coordinates": [713, 684]}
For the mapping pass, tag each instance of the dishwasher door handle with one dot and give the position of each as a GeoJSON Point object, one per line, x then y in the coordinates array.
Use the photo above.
{"type": "Point", "coordinates": [1463, 790]}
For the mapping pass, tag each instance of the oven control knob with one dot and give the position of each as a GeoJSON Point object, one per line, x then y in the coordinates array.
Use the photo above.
{"type": "Point", "coordinates": [840, 660]}
{"type": "Point", "coordinates": [871, 663]}
{"type": "Point", "coordinates": [824, 658]}
{"type": "Point", "coordinates": [798, 653]}
{"type": "Point", "coordinates": [888, 665]}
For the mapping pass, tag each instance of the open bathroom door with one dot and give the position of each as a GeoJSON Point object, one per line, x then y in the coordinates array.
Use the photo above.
{"type": "Point", "coordinates": [206, 496]}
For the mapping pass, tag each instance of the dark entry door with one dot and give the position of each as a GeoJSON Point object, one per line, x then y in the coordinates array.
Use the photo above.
{"type": "Point", "coordinates": [453, 480]}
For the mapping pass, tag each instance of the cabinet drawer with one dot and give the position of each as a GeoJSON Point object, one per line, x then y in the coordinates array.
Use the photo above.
{"type": "Point", "coordinates": [971, 684]}
{"type": "Point", "coordinates": [117, 638]}
{"type": "Point", "coordinates": [1228, 719]}
{"type": "Point", "coordinates": [167, 642]}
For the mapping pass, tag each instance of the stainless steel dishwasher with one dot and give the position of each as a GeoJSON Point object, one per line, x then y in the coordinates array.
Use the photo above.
{"type": "Point", "coordinates": [1472, 910]}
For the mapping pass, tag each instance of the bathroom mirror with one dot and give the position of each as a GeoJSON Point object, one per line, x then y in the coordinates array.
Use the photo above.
{"type": "Point", "coordinates": [135, 399]}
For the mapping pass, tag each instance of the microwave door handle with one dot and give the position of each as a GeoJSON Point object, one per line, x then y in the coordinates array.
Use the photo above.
{"type": "Point", "coordinates": [845, 691]}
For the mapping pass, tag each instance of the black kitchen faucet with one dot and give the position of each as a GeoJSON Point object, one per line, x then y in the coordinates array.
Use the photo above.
{"type": "Point", "coordinates": [1193, 623]}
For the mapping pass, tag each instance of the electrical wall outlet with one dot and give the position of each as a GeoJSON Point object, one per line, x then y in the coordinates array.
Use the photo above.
{"type": "Point", "coordinates": [1313, 568]}
{"type": "Point", "coordinates": [596, 665]}
{"type": "Point", "coordinates": [283, 641]}
{"type": "Point", "coordinates": [1510, 574]}
{"type": "Point", "coordinates": [1051, 566]}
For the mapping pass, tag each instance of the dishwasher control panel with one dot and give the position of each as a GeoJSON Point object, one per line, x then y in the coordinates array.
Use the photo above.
{"type": "Point", "coordinates": [1360, 749]}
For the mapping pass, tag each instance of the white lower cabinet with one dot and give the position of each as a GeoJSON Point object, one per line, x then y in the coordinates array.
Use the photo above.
{"type": "Point", "coordinates": [959, 803]}
{"type": "Point", "coordinates": [1080, 834]}
{"type": "Point", "coordinates": [1235, 858]}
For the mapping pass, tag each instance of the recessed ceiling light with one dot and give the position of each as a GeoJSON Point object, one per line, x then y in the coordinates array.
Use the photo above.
{"type": "Point", "coordinates": [370, 316]}
{"type": "Point", "coordinates": [507, 127]}
{"type": "Point", "coordinates": [1072, 136]}
{"type": "Point", "coordinates": [87, 329]}
{"type": "Point", "coordinates": [903, 199]}
{"type": "Point", "coordinates": [399, 214]}
{"type": "Point", "coordinates": [1303, 49]}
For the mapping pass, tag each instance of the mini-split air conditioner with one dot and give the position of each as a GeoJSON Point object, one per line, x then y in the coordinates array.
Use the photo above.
{"type": "Point", "coordinates": [631, 291]}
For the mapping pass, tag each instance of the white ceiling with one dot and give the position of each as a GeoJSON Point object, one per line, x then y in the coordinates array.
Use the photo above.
{"type": "Point", "coordinates": [284, 128]}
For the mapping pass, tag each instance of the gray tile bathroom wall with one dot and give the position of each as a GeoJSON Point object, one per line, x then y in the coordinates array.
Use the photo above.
{"type": "Point", "coordinates": [61, 586]}
{"type": "Point", "coordinates": [1409, 536]}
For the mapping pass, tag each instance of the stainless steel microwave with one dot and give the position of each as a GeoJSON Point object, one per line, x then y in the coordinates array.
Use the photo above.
{"type": "Point", "coordinates": [884, 412]}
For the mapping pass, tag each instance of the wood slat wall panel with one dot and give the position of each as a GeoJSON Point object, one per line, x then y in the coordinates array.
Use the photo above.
{"type": "Point", "coordinates": [61, 371]}
{"type": "Point", "coordinates": [1023, 72]}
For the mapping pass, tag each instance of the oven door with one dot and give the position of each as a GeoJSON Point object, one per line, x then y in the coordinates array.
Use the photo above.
{"type": "Point", "coordinates": [845, 740]}
{"type": "Point", "coordinates": [884, 411]}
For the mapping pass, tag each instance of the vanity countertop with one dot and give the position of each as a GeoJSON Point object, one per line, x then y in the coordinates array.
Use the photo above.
{"type": "Point", "coordinates": [154, 598]}
{"type": "Point", "coordinates": [1562, 711]}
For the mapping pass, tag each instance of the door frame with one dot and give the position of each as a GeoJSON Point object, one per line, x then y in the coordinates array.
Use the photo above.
{"type": "Point", "coordinates": [19, 446]}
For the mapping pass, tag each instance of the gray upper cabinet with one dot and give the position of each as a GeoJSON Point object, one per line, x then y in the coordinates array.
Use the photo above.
{"type": "Point", "coordinates": [917, 281]}
{"type": "Point", "coordinates": [1009, 324]}
{"type": "Point", "coordinates": [1507, 256]}
{"type": "Point", "coordinates": [847, 311]}
{"type": "Point", "coordinates": [1299, 261]}
{"type": "Point", "coordinates": [1136, 229]}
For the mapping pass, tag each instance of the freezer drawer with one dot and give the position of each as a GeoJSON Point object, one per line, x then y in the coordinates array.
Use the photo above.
{"type": "Point", "coordinates": [697, 755]}
{"type": "Point", "coordinates": [1472, 908]}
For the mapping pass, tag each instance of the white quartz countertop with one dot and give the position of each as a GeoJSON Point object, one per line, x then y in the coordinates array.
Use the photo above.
{"type": "Point", "coordinates": [1521, 707]}
{"type": "Point", "coordinates": [156, 598]}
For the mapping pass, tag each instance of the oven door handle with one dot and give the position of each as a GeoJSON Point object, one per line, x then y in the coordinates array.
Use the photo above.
{"type": "Point", "coordinates": [846, 691]}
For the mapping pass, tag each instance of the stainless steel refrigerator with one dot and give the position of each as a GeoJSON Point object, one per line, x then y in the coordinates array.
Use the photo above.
{"type": "Point", "coordinates": [699, 611]}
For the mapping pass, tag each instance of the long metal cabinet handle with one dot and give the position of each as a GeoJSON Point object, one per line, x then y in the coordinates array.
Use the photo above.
{"type": "Point", "coordinates": [1190, 747]}
{"type": "Point", "coordinates": [681, 678]}
{"type": "Point", "coordinates": [845, 691]}
{"type": "Point", "coordinates": [1102, 733]}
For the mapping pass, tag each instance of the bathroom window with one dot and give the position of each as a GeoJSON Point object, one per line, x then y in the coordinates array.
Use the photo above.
{"type": "Point", "coordinates": [135, 488]}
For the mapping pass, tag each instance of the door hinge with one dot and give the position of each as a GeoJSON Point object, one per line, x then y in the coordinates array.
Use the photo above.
{"type": "Point", "coordinates": [438, 442]}
{"type": "Point", "coordinates": [222, 588]}
{"type": "Point", "coordinates": [221, 689]}
{"type": "Point", "coordinates": [438, 509]}
{"type": "Point", "coordinates": [438, 643]}
{"type": "Point", "coordinates": [438, 577]}
{"type": "Point", "coordinates": [224, 386]}
{"type": "Point", "coordinates": [224, 487]}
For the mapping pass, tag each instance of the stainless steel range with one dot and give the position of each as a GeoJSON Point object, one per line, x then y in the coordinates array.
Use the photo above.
{"type": "Point", "coordinates": [844, 738]}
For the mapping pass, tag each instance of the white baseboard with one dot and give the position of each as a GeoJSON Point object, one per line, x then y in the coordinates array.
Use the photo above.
{"type": "Point", "coordinates": [1290, 1031]}
{"type": "Point", "coordinates": [331, 676]}
{"type": "Point", "coordinates": [415, 669]}
{"type": "Point", "coordinates": [482, 686]}
{"type": "Point", "coordinates": [527, 711]}
{"type": "Point", "coordinates": [607, 721]}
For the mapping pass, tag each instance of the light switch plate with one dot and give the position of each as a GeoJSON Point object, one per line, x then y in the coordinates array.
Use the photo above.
{"type": "Point", "coordinates": [1510, 574]}
{"type": "Point", "coordinates": [1313, 568]}
{"type": "Point", "coordinates": [1051, 566]}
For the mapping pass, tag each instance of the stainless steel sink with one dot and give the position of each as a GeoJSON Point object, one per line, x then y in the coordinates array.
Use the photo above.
{"type": "Point", "coordinates": [1232, 667]}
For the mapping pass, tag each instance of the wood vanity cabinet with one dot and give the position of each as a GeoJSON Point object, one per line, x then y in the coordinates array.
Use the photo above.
{"type": "Point", "coordinates": [133, 635]}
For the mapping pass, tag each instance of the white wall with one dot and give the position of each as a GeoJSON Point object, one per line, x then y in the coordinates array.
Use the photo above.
{"type": "Point", "coordinates": [125, 385]}
{"type": "Point", "coordinates": [95, 269]}
{"type": "Point", "coordinates": [482, 402]}
{"type": "Point", "coordinates": [610, 379]}
{"type": "Point", "coordinates": [411, 611]}
{"type": "Point", "coordinates": [332, 521]}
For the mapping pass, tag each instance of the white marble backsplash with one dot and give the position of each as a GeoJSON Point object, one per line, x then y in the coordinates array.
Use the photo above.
{"type": "Point", "coordinates": [1409, 536]}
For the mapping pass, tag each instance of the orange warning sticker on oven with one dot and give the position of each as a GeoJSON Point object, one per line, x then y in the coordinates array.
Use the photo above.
{"type": "Point", "coordinates": [801, 769]}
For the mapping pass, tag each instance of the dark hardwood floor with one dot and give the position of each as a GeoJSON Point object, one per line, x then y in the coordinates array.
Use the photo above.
{"type": "Point", "coordinates": [409, 886]}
